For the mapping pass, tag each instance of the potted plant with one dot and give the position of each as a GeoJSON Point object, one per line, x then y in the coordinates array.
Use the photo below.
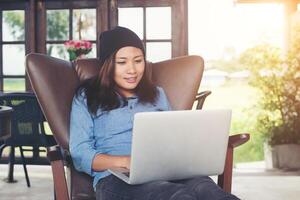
{"type": "Point", "coordinates": [277, 76]}
{"type": "Point", "coordinates": [78, 48]}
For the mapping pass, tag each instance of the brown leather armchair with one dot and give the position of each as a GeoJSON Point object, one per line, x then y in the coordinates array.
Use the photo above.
{"type": "Point", "coordinates": [54, 82]}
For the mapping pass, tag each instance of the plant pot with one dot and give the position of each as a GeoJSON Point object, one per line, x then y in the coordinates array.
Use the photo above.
{"type": "Point", "coordinates": [284, 156]}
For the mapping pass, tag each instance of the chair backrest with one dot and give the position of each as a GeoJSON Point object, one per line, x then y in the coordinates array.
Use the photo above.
{"type": "Point", "coordinates": [55, 81]}
{"type": "Point", "coordinates": [180, 78]}
{"type": "Point", "coordinates": [26, 120]}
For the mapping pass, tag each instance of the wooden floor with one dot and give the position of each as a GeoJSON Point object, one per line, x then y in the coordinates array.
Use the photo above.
{"type": "Point", "coordinates": [250, 182]}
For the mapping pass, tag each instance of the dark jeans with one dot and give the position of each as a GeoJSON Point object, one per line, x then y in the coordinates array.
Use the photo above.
{"type": "Point", "coordinates": [204, 188]}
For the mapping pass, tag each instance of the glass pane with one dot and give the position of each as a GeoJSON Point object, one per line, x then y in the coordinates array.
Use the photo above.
{"type": "Point", "coordinates": [158, 51]}
{"type": "Point", "coordinates": [158, 23]}
{"type": "Point", "coordinates": [132, 18]}
{"type": "Point", "coordinates": [84, 24]}
{"type": "Point", "coordinates": [13, 25]}
{"type": "Point", "coordinates": [93, 53]}
{"type": "Point", "coordinates": [14, 59]}
{"type": "Point", "coordinates": [14, 84]}
{"type": "Point", "coordinates": [57, 24]}
{"type": "Point", "coordinates": [58, 51]}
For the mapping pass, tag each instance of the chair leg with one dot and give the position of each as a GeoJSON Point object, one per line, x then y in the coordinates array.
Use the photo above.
{"type": "Point", "coordinates": [60, 184]}
{"type": "Point", "coordinates": [10, 176]}
{"type": "Point", "coordinates": [24, 166]}
{"type": "Point", "coordinates": [225, 179]}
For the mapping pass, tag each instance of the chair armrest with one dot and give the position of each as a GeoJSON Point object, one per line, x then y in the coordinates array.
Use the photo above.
{"type": "Point", "coordinates": [225, 179]}
{"type": "Point", "coordinates": [238, 139]}
{"type": "Point", "coordinates": [57, 164]}
{"type": "Point", "coordinates": [200, 97]}
{"type": "Point", "coordinates": [54, 153]}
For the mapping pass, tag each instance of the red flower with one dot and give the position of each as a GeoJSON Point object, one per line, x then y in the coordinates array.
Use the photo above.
{"type": "Point", "coordinates": [78, 48]}
{"type": "Point", "coordinates": [77, 45]}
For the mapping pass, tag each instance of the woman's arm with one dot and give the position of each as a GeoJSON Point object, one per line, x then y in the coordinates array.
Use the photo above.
{"type": "Point", "coordinates": [82, 141]}
{"type": "Point", "coordinates": [103, 162]}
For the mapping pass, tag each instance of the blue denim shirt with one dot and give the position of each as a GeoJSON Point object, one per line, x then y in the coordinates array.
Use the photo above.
{"type": "Point", "coordinates": [106, 132]}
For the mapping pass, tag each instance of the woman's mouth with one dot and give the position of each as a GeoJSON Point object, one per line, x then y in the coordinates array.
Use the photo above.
{"type": "Point", "coordinates": [131, 79]}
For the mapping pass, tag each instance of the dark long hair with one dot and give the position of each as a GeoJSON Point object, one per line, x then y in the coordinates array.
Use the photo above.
{"type": "Point", "coordinates": [100, 89]}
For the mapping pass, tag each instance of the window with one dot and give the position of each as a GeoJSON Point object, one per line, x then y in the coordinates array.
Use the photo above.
{"type": "Point", "coordinates": [61, 27]}
{"type": "Point", "coordinates": [12, 48]}
{"type": "Point", "coordinates": [41, 26]}
{"type": "Point", "coordinates": [57, 32]}
{"type": "Point", "coordinates": [157, 25]}
{"type": "Point", "coordinates": [156, 36]}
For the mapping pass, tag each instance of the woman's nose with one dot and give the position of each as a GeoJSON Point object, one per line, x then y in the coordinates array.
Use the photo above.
{"type": "Point", "coordinates": [131, 68]}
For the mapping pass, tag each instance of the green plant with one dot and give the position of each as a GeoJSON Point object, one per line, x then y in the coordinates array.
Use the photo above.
{"type": "Point", "coordinates": [277, 76]}
{"type": "Point", "coordinates": [77, 48]}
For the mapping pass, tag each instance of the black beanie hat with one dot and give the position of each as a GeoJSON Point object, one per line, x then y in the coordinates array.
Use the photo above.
{"type": "Point", "coordinates": [115, 39]}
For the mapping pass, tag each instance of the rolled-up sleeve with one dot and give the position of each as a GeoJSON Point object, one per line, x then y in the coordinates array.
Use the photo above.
{"type": "Point", "coordinates": [82, 141]}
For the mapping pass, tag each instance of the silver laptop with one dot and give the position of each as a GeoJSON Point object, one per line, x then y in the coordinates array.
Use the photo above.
{"type": "Point", "coordinates": [173, 145]}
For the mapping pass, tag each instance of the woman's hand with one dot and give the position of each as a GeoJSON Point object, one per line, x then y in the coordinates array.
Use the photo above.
{"type": "Point", "coordinates": [127, 160]}
{"type": "Point", "coordinates": [103, 162]}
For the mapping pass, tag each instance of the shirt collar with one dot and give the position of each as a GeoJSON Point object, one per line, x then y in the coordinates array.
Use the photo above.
{"type": "Point", "coordinates": [126, 98]}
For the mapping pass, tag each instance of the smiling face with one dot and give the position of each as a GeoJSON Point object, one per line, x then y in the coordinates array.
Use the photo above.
{"type": "Point", "coordinates": [129, 70]}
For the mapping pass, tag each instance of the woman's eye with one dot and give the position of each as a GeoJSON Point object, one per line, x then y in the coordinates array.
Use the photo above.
{"type": "Point", "coordinates": [138, 61]}
{"type": "Point", "coordinates": [121, 63]}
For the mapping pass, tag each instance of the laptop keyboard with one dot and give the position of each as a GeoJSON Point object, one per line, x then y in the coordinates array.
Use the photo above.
{"type": "Point", "coordinates": [126, 174]}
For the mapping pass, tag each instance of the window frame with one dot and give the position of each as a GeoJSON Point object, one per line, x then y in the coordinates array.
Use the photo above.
{"type": "Point", "coordinates": [11, 6]}
{"type": "Point", "coordinates": [43, 6]}
{"type": "Point", "coordinates": [70, 24]}
{"type": "Point", "coordinates": [179, 25]}
{"type": "Point", "coordinates": [106, 18]}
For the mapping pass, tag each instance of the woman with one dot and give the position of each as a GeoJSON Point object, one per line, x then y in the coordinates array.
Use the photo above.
{"type": "Point", "coordinates": [102, 119]}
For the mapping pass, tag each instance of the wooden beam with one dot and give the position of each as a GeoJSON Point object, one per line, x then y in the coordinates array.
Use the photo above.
{"type": "Point", "coordinates": [41, 23]}
{"type": "Point", "coordinates": [102, 20]}
{"type": "Point", "coordinates": [30, 43]}
{"type": "Point", "coordinates": [179, 28]}
{"type": "Point", "coordinates": [113, 13]}
{"type": "Point", "coordinates": [30, 27]}
{"type": "Point", "coordinates": [143, 3]}
{"type": "Point", "coordinates": [11, 5]}
{"type": "Point", "coordinates": [78, 4]}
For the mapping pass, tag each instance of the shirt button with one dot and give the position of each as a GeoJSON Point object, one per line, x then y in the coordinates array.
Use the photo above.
{"type": "Point", "coordinates": [130, 107]}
